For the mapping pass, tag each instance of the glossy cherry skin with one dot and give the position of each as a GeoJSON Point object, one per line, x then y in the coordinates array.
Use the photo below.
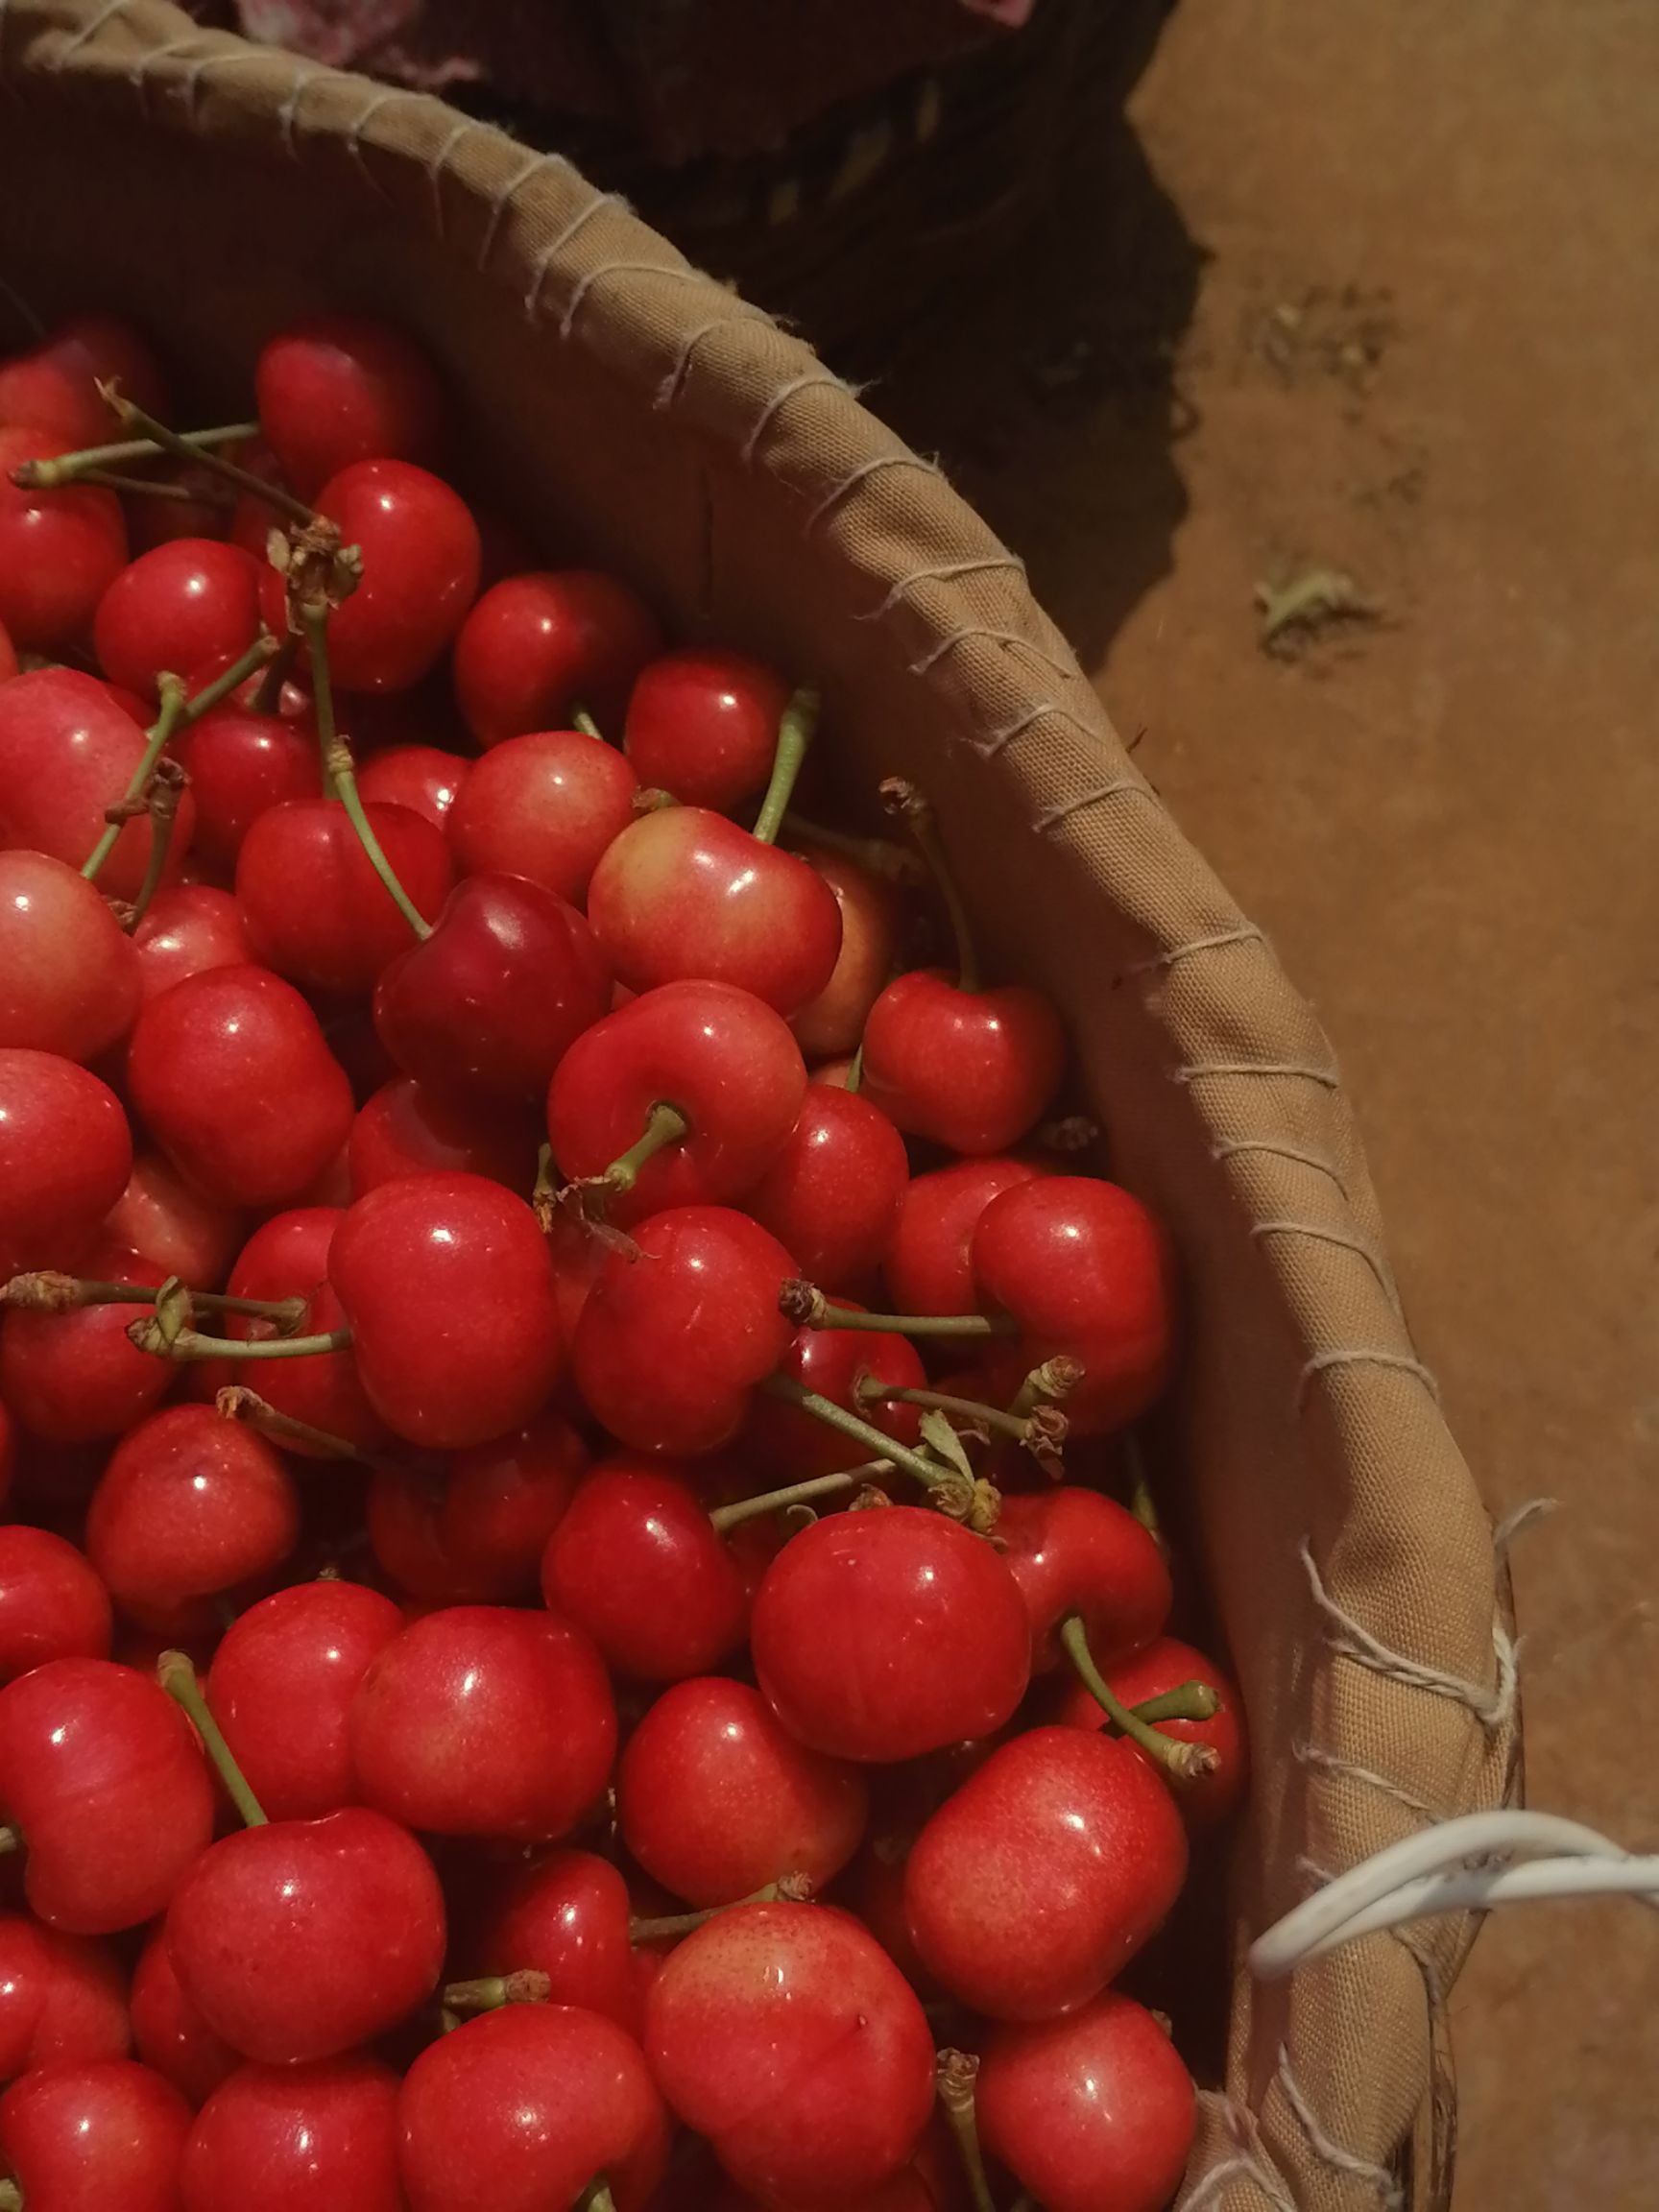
{"type": "Point", "coordinates": [160, 1217]}
{"type": "Point", "coordinates": [241, 763]}
{"type": "Point", "coordinates": [685, 893]}
{"type": "Point", "coordinates": [68, 974]}
{"type": "Point", "coordinates": [287, 1256]}
{"type": "Point", "coordinates": [281, 1688]}
{"type": "Point", "coordinates": [833, 1194]}
{"type": "Point", "coordinates": [1087, 1271]}
{"type": "Point", "coordinates": [667, 1355]}
{"type": "Point", "coordinates": [8, 656]}
{"type": "Point", "coordinates": [703, 724]}
{"type": "Point", "coordinates": [1208, 1799]}
{"type": "Point", "coordinates": [65, 1154]}
{"type": "Point", "coordinates": [73, 1378]}
{"type": "Point", "coordinates": [314, 910]}
{"type": "Point", "coordinates": [475, 1534]}
{"type": "Point", "coordinates": [63, 2000]}
{"type": "Point", "coordinates": [1093, 2112]}
{"type": "Point", "coordinates": [424, 779]}
{"type": "Point", "coordinates": [406, 1129]}
{"type": "Point", "coordinates": [788, 1445]}
{"type": "Point", "coordinates": [67, 753]}
{"type": "Point", "coordinates": [53, 384]}
{"type": "Point", "coordinates": [59, 550]}
{"type": "Point", "coordinates": [637, 1563]}
{"type": "Point", "coordinates": [930, 1263]}
{"type": "Point", "coordinates": [787, 2035]}
{"type": "Point", "coordinates": [520, 2111]}
{"type": "Point", "coordinates": [720, 1055]}
{"type": "Point", "coordinates": [169, 2033]}
{"type": "Point", "coordinates": [86, 2138]}
{"type": "Point", "coordinates": [543, 805]}
{"type": "Point", "coordinates": [567, 1916]}
{"type": "Point", "coordinates": [53, 1604]}
{"type": "Point", "coordinates": [537, 646]}
{"type": "Point", "coordinates": [230, 1071]}
{"type": "Point", "coordinates": [1072, 1550]}
{"type": "Point", "coordinates": [833, 1022]}
{"type": "Point", "coordinates": [972, 1069]}
{"type": "Point", "coordinates": [189, 929]}
{"type": "Point", "coordinates": [484, 1720]}
{"type": "Point", "coordinates": [1032, 1887]}
{"type": "Point", "coordinates": [99, 1769]}
{"type": "Point", "coordinates": [884, 1634]}
{"type": "Point", "coordinates": [421, 558]}
{"type": "Point", "coordinates": [191, 600]}
{"type": "Point", "coordinates": [305, 1937]}
{"type": "Point", "coordinates": [343, 388]}
{"type": "Point", "coordinates": [446, 1283]}
{"type": "Point", "coordinates": [273, 2137]}
{"type": "Point", "coordinates": [489, 1004]}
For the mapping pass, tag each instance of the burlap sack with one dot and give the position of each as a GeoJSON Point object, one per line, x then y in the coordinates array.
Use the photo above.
{"type": "Point", "coordinates": [645, 418]}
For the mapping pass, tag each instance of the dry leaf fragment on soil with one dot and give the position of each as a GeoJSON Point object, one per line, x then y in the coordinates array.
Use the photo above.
{"type": "Point", "coordinates": [1308, 602]}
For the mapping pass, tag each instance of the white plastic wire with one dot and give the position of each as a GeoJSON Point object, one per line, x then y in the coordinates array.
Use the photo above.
{"type": "Point", "coordinates": [1430, 1873]}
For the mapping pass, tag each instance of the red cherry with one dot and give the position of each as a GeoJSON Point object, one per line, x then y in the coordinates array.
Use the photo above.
{"type": "Point", "coordinates": [52, 1606]}
{"type": "Point", "coordinates": [59, 550]}
{"type": "Point", "coordinates": [972, 1069]}
{"type": "Point", "coordinates": [885, 1634]}
{"type": "Point", "coordinates": [65, 1153]}
{"type": "Point", "coordinates": [794, 1445]}
{"type": "Point", "coordinates": [423, 778]}
{"type": "Point", "coordinates": [1208, 1799]}
{"type": "Point", "coordinates": [721, 1057]}
{"type": "Point", "coordinates": [715, 1799]}
{"type": "Point", "coordinates": [77, 1377]}
{"type": "Point", "coordinates": [160, 1217]}
{"type": "Point", "coordinates": [567, 1916]}
{"type": "Point", "coordinates": [405, 1129]}
{"type": "Point", "coordinates": [476, 1536]}
{"type": "Point", "coordinates": [273, 2137]}
{"type": "Point", "coordinates": [1044, 1875]}
{"type": "Point", "coordinates": [281, 1687]}
{"type": "Point", "coordinates": [344, 388]}
{"type": "Point", "coordinates": [1091, 2113]}
{"type": "Point", "coordinates": [490, 1002]}
{"type": "Point", "coordinates": [685, 892]}
{"type": "Point", "coordinates": [449, 1291]}
{"type": "Point", "coordinates": [79, 2138]}
{"type": "Point", "coordinates": [833, 1194]}
{"type": "Point", "coordinates": [69, 977]}
{"type": "Point", "coordinates": [314, 907]}
{"type": "Point", "coordinates": [100, 1771]}
{"type": "Point", "coordinates": [520, 2111]}
{"type": "Point", "coordinates": [785, 2034]}
{"type": "Point", "coordinates": [543, 805]}
{"type": "Point", "coordinates": [537, 647]}
{"type": "Point", "coordinates": [54, 386]}
{"type": "Point", "coordinates": [637, 1563]}
{"type": "Point", "coordinates": [668, 1354]}
{"type": "Point", "coordinates": [1072, 1550]}
{"type": "Point", "coordinates": [63, 2001]}
{"type": "Point", "coordinates": [703, 724]}
{"type": "Point", "coordinates": [67, 753]}
{"type": "Point", "coordinates": [170, 2034]}
{"type": "Point", "coordinates": [833, 1022]}
{"type": "Point", "coordinates": [242, 761]}
{"type": "Point", "coordinates": [231, 1074]}
{"type": "Point", "coordinates": [188, 929]}
{"type": "Point", "coordinates": [421, 556]}
{"type": "Point", "coordinates": [177, 606]}
{"type": "Point", "coordinates": [8, 656]}
{"type": "Point", "coordinates": [300, 1940]}
{"type": "Point", "coordinates": [929, 1265]}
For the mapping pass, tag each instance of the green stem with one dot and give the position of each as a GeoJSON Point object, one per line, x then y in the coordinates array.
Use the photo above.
{"type": "Point", "coordinates": [891, 862]}
{"type": "Point", "coordinates": [927, 1471]}
{"type": "Point", "coordinates": [45, 1291]}
{"type": "Point", "coordinates": [268, 699]}
{"type": "Point", "coordinates": [11, 2196]}
{"type": "Point", "coordinates": [176, 1675]}
{"type": "Point", "coordinates": [855, 1069]}
{"type": "Point", "coordinates": [1186, 1701]}
{"type": "Point", "coordinates": [1142, 1502]}
{"type": "Point", "coordinates": [166, 789]}
{"type": "Point", "coordinates": [488, 1995]}
{"type": "Point", "coordinates": [597, 2197]}
{"type": "Point", "coordinates": [804, 1493]}
{"type": "Point", "coordinates": [581, 720]}
{"type": "Point", "coordinates": [664, 1125]}
{"type": "Point", "coordinates": [870, 1391]}
{"type": "Point", "coordinates": [794, 736]}
{"type": "Point", "coordinates": [189, 1344]}
{"type": "Point", "coordinates": [66, 467]}
{"type": "Point", "coordinates": [795, 1889]}
{"type": "Point", "coordinates": [807, 1306]}
{"type": "Point", "coordinates": [159, 736]}
{"type": "Point", "coordinates": [338, 771]}
{"type": "Point", "coordinates": [11, 1838]}
{"type": "Point", "coordinates": [956, 2073]}
{"type": "Point", "coordinates": [1049, 1384]}
{"type": "Point", "coordinates": [109, 480]}
{"type": "Point", "coordinates": [235, 1404]}
{"type": "Point", "coordinates": [1180, 1761]}
{"type": "Point", "coordinates": [905, 800]}
{"type": "Point", "coordinates": [133, 417]}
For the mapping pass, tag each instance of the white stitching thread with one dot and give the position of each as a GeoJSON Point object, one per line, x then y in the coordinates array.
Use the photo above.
{"type": "Point", "coordinates": [557, 244]}
{"type": "Point", "coordinates": [949, 643]}
{"type": "Point", "coordinates": [1349, 1242]}
{"type": "Point", "coordinates": [1308, 1754]}
{"type": "Point", "coordinates": [88, 31]}
{"type": "Point", "coordinates": [1275, 1150]}
{"type": "Point", "coordinates": [288, 113]}
{"type": "Point", "coordinates": [567, 321]}
{"type": "Point", "coordinates": [1241, 2126]}
{"type": "Point", "coordinates": [946, 572]}
{"type": "Point", "coordinates": [1054, 817]}
{"type": "Point", "coordinates": [437, 168]}
{"type": "Point", "coordinates": [1327, 1077]}
{"type": "Point", "coordinates": [1246, 933]}
{"type": "Point", "coordinates": [503, 198]}
{"type": "Point", "coordinates": [807, 382]}
{"type": "Point", "coordinates": [1492, 1708]}
{"type": "Point", "coordinates": [833, 497]}
{"type": "Point", "coordinates": [1362, 1356]}
{"type": "Point", "coordinates": [1328, 2149]}
{"type": "Point", "coordinates": [355, 146]}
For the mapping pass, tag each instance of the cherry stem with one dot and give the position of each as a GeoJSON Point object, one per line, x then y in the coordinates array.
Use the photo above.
{"type": "Point", "coordinates": [1186, 1701]}
{"type": "Point", "coordinates": [795, 734]}
{"type": "Point", "coordinates": [544, 1190]}
{"type": "Point", "coordinates": [268, 699]}
{"type": "Point", "coordinates": [807, 1306]}
{"type": "Point", "coordinates": [133, 417]}
{"type": "Point", "coordinates": [11, 2196]}
{"type": "Point", "coordinates": [67, 467]}
{"type": "Point", "coordinates": [234, 1403]}
{"type": "Point", "coordinates": [167, 790]}
{"type": "Point", "coordinates": [109, 480]}
{"type": "Point", "coordinates": [527, 1986]}
{"type": "Point", "coordinates": [905, 800]}
{"type": "Point", "coordinates": [956, 2072]}
{"type": "Point", "coordinates": [878, 855]}
{"type": "Point", "coordinates": [581, 720]}
{"type": "Point", "coordinates": [664, 1125]}
{"type": "Point", "coordinates": [869, 1391]}
{"type": "Point", "coordinates": [928, 1472]}
{"type": "Point", "coordinates": [792, 1889]}
{"type": "Point", "coordinates": [1049, 1384]}
{"type": "Point", "coordinates": [45, 1291]}
{"type": "Point", "coordinates": [804, 1493]}
{"type": "Point", "coordinates": [11, 1838]}
{"type": "Point", "coordinates": [596, 2198]}
{"type": "Point", "coordinates": [855, 1071]}
{"type": "Point", "coordinates": [150, 1336]}
{"type": "Point", "coordinates": [1180, 1761]}
{"type": "Point", "coordinates": [176, 1674]}
{"type": "Point", "coordinates": [339, 773]}
{"type": "Point", "coordinates": [1142, 1502]}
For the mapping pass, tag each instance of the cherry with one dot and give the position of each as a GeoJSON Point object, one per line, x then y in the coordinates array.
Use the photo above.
{"type": "Point", "coordinates": [490, 1002]}
{"type": "Point", "coordinates": [80, 2139]}
{"type": "Point", "coordinates": [65, 1154]}
{"type": "Point", "coordinates": [1043, 1876]}
{"type": "Point", "coordinates": [63, 2000]}
{"type": "Point", "coordinates": [405, 1129]}
{"type": "Point", "coordinates": [785, 2034]}
{"type": "Point", "coordinates": [719, 1057]}
{"type": "Point", "coordinates": [170, 2034]}
{"type": "Point", "coordinates": [230, 1073]}
{"type": "Point", "coordinates": [543, 805]}
{"type": "Point", "coordinates": [832, 1363]}
{"type": "Point", "coordinates": [833, 1022]}
{"type": "Point", "coordinates": [343, 388]}
{"type": "Point", "coordinates": [299, 1940]}
{"type": "Point", "coordinates": [833, 1194]}
{"type": "Point", "coordinates": [8, 656]}
{"type": "Point", "coordinates": [929, 1265]}
{"type": "Point", "coordinates": [423, 778]}
{"type": "Point", "coordinates": [885, 1634]}
{"type": "Point", "coordinates": [420, 555]}
{"type": "Point", "coordinates": [187, 930]}
{"type": "Point", "coordinates": [314, 905]}
{"type": "Point", "coordinates": [484, 1720]}
{"type": "Point", "coordinates": [637, 1563]}
{"type": "Point", "coordinates": [1206, 1799]}
{"type": "Point", "coordinates": [67, 753]}
{"type": "Point", "coordinates": [76, 1377]}
{"type": "Point", "coordinates": [521, 2109]}
{"type": "Point", "coordinates": [446, 1283]}
{"type": "Point", "coordinates": [703, 724]}
{"type": "Point", "coordinates": [716, 1800]}
{"type": "Point", "coordinates": [160, 1217]}
{"type": "Point", "coordinates": [59, 550]}
{"type": "Point", "coordinates": [566, 1916]}
{"type": "Point", "coordinates": [190, 600]}
{"type": "Point", "coordinates": [478, 1536]}
{"type": "Point", "coordinates": [103, 1775]}
{"type": "Point", "coordinates": [54, 383]}
{"type": "Point", "coordinates": [69, 977]}
{"type": "Point", "coordinates": [537, 647]}
{"type": "Point", "coordinates": [53, 1605]}
{"type": "Point", "coordinates": [272, 2137]}
{"type": "Point", "coordinates": [1091, 2113]}
{"type": "Point", "coordinates": [1075, 1553]}
{"type": "Point", "coordinates": [242, 761]}
{"type": "Point", "coordinates": [668, 1354]}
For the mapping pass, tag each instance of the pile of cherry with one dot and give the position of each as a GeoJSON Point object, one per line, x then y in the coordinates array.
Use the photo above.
{"type": "Point", "coordinates": [525, 1684]}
